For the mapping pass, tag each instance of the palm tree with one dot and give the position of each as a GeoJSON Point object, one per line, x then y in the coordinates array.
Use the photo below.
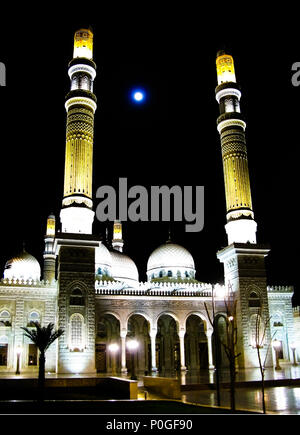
{"type": "Point", "coordinates": [42, 337]}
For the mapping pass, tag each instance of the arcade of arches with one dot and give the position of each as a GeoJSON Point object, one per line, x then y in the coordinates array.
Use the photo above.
{"type": "Point", "coordinates": [165, 349]}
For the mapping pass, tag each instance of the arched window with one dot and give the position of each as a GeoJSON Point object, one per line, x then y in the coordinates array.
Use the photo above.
{"type": "Point", "coordinates": [76, 297]}
{"type": "Point", "coordinates": [254, 300]}
{"type": "Point", "coordinates": [170, 274]}
{"type": "Point", "coordinates": [76, 332]}
{"type": "Point", "coordinates": [5, 318]}
{"type": "Point", "coordinates": [33, 318]}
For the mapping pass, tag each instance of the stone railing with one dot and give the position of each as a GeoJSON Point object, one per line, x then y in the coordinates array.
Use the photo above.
{"type": "Point", "coordinates": [280, 289]}
{"type": "Point", "coordinates": [14, 282]}
{"type": "Point", "coordinates": [154, 289]}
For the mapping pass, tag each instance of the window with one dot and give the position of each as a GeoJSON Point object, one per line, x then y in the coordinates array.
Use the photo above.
{"type": "Point", "coordinates": [5, 319]}
{"type": "Point", "coordinates": [254, 300]}
{"type": "Point", "coordinates": [76, 297]}
{"type": "Point", "coordinates": [170, 273]}
{"type": "Point", "coordinates": [76, 324]}
{"type": "Point", "coordinates": [33, 318]}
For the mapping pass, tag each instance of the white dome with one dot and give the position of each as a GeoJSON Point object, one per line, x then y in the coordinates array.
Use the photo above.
{"type": "Point", "coordinates": [103, 260]}
{"type": "Point", "coordinates": [23, 266]}
{"type": "Point", "coordinates": [123, 268]}
{"type": "Point", "coordinates": [170, 259]}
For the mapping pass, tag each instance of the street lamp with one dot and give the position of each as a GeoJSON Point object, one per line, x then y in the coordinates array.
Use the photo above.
{"type": "Point", "coordinates": [113, 348]}
{"type": "Point", "coordinates": [293, 347]}
{"type": "Point", "coordinates": [19, 351]}
{"type": "Point", "coordinates": [132, 345]}
{"type": "Point", "coordinates": [276, 345]}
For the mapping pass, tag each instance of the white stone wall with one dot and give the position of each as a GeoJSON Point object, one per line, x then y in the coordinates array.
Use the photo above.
{"type": "Point", "coordinates": [20, 299]}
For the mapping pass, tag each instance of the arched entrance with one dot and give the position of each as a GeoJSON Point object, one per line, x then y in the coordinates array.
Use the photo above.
{"type": "Point", "coordinates": [167, 345]}
{"type": "Point", "coordinates": [138, 329]}
{"type": "Point", "coordinates": [108, 332]}
{"type": "Point", "coordinates": [195, 343]}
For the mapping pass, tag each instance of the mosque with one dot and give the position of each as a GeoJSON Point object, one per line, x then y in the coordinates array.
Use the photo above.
{"type": "Point", "coordinates": [91, 289]}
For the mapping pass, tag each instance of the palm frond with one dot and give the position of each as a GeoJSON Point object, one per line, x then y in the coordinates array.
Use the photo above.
{"type": "Point", "coordinates": [44, 336]}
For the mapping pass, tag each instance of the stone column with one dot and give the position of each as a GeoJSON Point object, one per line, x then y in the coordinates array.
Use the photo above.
{"type": "Point", "coordinates": [153, 349]}
{"type": "Point", "coordinates": [182, 353]}
{"type": "Point", "coordinates": [123, 351]}
{"type": "Point", "coordinates": [209, 348]}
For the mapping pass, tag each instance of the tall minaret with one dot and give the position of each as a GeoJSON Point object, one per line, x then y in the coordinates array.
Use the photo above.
{"type": "Point", "coordinates": [49, 253]}
{"type": "Point", "coordinates": [117, 241]}
{"type": "Point", "coordinates": [77, 215]}
{"type": "Point", "coordinates": [244, 262]}
{"type": "Point", "coordinates": [240, 226]}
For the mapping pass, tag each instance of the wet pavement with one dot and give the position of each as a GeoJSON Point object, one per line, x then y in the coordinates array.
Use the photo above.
{"type": "Point", "coordinates": [278, 400]}
{"type": "Point", "coordinates": [282, 392]}
{"type": "Point", "coordinates": [199, 388]}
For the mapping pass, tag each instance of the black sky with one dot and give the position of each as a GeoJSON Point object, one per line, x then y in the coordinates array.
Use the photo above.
{"type": "Point", "coordinates": [171, 140]}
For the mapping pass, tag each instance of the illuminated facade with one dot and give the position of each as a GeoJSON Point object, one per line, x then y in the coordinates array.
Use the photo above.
{"type": "Point", "coordinates": [91, 289]}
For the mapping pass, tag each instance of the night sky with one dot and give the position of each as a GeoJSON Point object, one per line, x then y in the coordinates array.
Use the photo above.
{"type": "Point", "coordinates": [172, 139]}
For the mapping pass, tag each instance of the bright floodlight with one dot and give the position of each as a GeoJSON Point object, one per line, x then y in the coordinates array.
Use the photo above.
{"type": "Point", "coordinates": [132, 344]}
{"type": "Point", "coordinates": [113, 347]}
{"type": "Point", "coordinates": [138, 96]}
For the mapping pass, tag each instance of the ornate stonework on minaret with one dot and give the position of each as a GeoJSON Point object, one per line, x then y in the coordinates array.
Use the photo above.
{"type": "Point", "coordinates": [243, 259]}
{"type": "Point", "coordinates": [49, 252]}
{"type": "Point", "coordinates": [77, 215]}
{"type": "Point", "coordinates": [240, 226]}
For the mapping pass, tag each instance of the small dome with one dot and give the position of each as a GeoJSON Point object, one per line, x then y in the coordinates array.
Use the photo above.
{"type": "Point", "coordinates": [23, 266]}
{"type": "Point", "coordinates": [103, 261]}
{"type": "Point", "coordinates": [123, 268]}
{"type": "Point", "coordinates": [170, 260]}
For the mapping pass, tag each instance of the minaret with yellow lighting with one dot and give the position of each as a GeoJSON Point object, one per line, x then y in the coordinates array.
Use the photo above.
{"type": "Point", "coordinates": [49, 252]}
{"type": "Point", "coordinates": [243, 258]}
{"type": "Point", "coordinates": [77, 215]}
{"type": "Point", "coordinates": [240, 226]}
{"type": "Point", "coordinates": [117, 241]}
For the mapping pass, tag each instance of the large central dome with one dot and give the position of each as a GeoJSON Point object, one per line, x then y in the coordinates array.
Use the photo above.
{"type": "Point", "coordinates": [170, 260]}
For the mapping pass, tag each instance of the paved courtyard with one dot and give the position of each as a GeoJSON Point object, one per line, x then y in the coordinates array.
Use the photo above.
{"type": "Point", "coordinates": [282, 392]}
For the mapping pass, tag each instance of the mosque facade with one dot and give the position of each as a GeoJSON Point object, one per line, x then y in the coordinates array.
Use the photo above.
{"type": "Point", "coordinates": [92, 290]}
